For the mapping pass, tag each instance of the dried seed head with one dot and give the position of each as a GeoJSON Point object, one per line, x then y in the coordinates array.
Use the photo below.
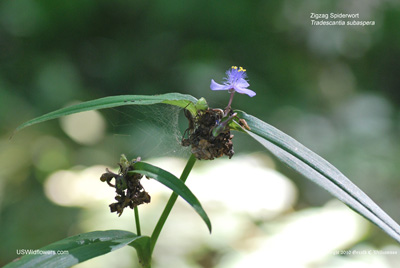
{"type": "Point", "coordinates": [130, 192]}
{"type": "Point", "coordinates": [204, 144]}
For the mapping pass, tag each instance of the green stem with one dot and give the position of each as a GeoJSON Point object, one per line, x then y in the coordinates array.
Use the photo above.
{"type": "Point", "coordinates": [137, 221]}
{"type": "Point", "coordinates": [170, 204]}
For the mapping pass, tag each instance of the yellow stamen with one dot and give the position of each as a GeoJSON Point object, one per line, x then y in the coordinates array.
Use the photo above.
{"type": "Point", "coordinates": [234, 67]}
{"type": "Point", "coordinates": [241, 69]}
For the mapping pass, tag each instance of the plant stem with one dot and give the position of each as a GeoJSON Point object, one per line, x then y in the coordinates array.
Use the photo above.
{"type": "Point", "coordinates": [229, 104]}
{"type": "Point", "coordinates": [137, 221]}
{"type": "Point", "coordinates": [170, 204]}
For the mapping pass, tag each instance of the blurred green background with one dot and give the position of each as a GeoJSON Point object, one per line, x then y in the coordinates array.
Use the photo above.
{"type": "Point", "coordinates": [335, 89]}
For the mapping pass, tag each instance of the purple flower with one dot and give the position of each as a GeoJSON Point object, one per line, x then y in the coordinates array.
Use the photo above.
{"type": "Point", "coordinates": [234, 82]}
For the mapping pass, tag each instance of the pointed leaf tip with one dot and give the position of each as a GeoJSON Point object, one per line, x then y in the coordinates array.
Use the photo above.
{"type": "Point", "coordinates": [176, 99]}
{"type": "Point", "coordinates": [318, 170]}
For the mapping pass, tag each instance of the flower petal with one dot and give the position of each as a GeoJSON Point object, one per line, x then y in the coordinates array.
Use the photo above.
{"type": "Point", "coordinates": [242, 83]}
{"type": "Point", "coordinates": [247, 91]}
{"type": "Point", "coordinates": [215, 86]}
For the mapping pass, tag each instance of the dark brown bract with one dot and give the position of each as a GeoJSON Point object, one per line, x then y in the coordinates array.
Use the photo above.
{"type": "Point", "coordinates": [200, 135]}
{"type": "Point", "coordinates": [130, 193]}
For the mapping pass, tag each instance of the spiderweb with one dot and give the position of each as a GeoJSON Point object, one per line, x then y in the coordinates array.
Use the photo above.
{"type": "Point", "coordinates": [147, 131]}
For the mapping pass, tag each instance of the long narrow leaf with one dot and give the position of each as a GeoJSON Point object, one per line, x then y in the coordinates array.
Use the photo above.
{"type": "Point", "coordinates": [175, 185]}
{"type": "Point", "coordinates": [76, 249]}
{"type": "Point", "coordinates": [177, 99]}
{"type": "Point", "coordinates": [318, 170]}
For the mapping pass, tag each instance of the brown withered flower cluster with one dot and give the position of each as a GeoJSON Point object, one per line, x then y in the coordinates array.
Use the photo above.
{"type": "Point", "coordinates": [130, 193]}
{"type": "Point", "coordinates": [200, 135]}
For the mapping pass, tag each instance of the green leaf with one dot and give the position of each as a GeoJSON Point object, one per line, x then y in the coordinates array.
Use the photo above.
{"type": "Point", "coordinates": [318, 170]}
{"type": "Point", "coordinates": [177, 99]}
{"type": "Point", "coordinates": [175, 185]}
{"type": "Point", "coordinates": [80, 248]}
{"type": "Point", "coordinates": [142, 246]}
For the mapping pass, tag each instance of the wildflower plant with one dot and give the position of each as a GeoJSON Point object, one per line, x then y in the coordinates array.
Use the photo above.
{"type": "Point", "coordinates": [235, 82]}
{"type": "Point", "coordinates": [209, 136]}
